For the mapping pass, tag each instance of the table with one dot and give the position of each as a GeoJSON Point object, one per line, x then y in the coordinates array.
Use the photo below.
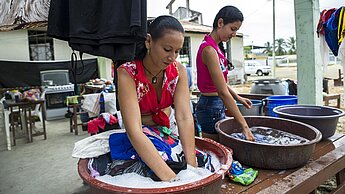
{"type": "Point", "coordinates": [25, 107]}
{"type": "Point", "coordinates": [327, 160]}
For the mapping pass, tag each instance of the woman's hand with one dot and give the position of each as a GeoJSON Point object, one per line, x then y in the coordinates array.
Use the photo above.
{"type": "Point", "coordinates": [248, 134]}
{"type": "Point", "coordinates": [245, 101]}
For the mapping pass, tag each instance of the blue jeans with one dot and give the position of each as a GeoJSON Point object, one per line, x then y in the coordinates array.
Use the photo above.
{"type": "Point", "coordinates": [209, 110]}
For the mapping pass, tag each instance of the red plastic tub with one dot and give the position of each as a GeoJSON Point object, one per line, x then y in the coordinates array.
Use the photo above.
{"type": "Point", "coordinates": [210, 184]}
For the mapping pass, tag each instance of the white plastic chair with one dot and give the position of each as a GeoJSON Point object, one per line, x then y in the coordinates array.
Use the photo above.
{"type": "Point", "coordinates": [38, 109]}
{"type": "Point", "coordinates": [7, 124]}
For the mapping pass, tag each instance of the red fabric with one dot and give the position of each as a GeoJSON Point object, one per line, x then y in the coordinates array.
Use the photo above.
{"type": "Point", "coordinates": [92, 126]}
{"type": "Point", "coordinates": [113, 120]}
{"type": "Point", "coordinates": [146, 93]}
{"type": "Point", "coordinates": [99, 123]}
{"type": "Point", "coordinates": [324, 16]}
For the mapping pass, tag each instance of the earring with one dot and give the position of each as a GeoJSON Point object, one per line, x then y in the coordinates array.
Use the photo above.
{"type": "Point", "coordinates": [148, 51]}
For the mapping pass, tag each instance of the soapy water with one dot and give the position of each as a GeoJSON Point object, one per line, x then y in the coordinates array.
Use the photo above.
{"type": "Point", "coordinates": [133, 180]}
{"type": "Point", "coordinates": [272, 136]}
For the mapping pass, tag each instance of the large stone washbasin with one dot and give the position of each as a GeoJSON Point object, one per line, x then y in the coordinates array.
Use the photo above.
{"type": "Point", "coordinates": [210, 184]}
{"type": "Point", "coordinates": [268, 156]}
{"type": "Point", "coordinates": [323, 118]}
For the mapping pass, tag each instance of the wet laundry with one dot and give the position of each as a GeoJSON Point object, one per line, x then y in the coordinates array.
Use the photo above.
{"type": "Point", "coordinates": [271, 136]}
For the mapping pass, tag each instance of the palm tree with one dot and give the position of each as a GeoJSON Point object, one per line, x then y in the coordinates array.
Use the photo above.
{"type": "Point", "coordinates": [280, 44]}
{"type": "Point", "coordinates": [291, 44]}
{"type": "Point", "coordinates": [268, 49]}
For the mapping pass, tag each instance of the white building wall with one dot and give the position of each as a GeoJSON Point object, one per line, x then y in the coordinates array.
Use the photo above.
{"type": "Point", "coordinates": [63, 52]}
{"type": "Point", "coordinates": [237, 59]}
{"type": "Point", "coordinates": [14, 45]}
{"type": "Point", "coordinates": [195, 41]}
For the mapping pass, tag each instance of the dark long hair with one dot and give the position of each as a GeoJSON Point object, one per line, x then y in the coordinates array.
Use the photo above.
{"type": "Point", "coordinates": [229, 14]}
{"type": "Point", "coordinates": [157, 28]}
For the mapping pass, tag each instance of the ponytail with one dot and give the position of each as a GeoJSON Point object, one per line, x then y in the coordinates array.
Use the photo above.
{"type": "Point", "coordinates": [221, 47]}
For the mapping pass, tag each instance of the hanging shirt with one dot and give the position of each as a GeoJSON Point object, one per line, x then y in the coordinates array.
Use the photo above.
{"type": "Point", "coordinates": [331, 32]}
{"type": "Point", "coordinates": [341, 25]}
{"type": "Point", "coordinates": [204, 80]}
{"type": "Point", "coordinates": [105, 28]}
{"type": "Point", "coordinates": [146, 93]}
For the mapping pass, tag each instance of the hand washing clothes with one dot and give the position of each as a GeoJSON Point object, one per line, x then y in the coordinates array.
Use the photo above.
{"type": "Point", "coordinates": [124, 159]}
{"type": "Point", "coordinates": [163, 136]}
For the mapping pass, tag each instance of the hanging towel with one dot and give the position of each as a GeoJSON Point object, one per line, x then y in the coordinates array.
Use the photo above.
{"type": "Point", "coordinates": [91, 104]}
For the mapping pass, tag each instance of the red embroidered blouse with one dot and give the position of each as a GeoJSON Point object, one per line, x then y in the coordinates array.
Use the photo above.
{"type": "Point", "coordinates": [146, 93]}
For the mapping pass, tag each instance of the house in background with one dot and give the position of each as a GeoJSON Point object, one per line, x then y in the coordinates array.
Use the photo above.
{"type": "Point", "coordinates": [23, 26]}
{"type": "Point", "coordinates": [194, 34]}
{"type": "Point", "coordinates": [33, 44]}
{"type": "Point", "coordinates": [23, 37]}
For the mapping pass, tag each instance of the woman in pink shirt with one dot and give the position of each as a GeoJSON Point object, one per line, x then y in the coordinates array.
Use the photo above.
{"type": "Point", "coordinates": [212, 72]}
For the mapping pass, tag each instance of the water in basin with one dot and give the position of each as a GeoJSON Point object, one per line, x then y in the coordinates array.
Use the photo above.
{"type": "Point", "coordinates": [273, 136]}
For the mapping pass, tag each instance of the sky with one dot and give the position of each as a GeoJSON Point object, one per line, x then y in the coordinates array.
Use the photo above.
{"type": "Point", "coordinates": [257, 26]}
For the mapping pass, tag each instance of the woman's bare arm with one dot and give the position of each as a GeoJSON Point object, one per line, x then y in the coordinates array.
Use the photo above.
{"type": "Point", "coordinates": [132, 120]}
{"type": "Point", "coordinates": [184, 118]}
{"type": "Point", "coordinates": [210, 58]}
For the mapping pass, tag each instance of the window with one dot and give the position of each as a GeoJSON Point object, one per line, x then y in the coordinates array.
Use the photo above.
{"type": "Point", "coordinates": [40, 46]}
{"type": "Point", "coordinates": [185, 57]}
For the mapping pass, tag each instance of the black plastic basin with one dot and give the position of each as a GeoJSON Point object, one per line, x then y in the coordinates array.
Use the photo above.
{"type": "Point", "coordinates": [323, 118]}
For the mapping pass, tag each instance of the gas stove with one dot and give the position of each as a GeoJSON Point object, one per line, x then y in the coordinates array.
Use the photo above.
{"type": "Point", "coordinates": [59, 88]}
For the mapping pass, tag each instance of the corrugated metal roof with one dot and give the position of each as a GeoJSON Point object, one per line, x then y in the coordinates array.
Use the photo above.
{"type": "Point", "coordinates": [199, 28]}
{"type": "Point", "coordinates": [194, 27]}
{"type": "Point", "coordinates": [31, 25]}
{"type": "Point", "coordinates": [19, 14]}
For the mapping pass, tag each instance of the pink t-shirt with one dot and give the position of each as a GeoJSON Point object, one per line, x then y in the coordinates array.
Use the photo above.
{"type": "Point", "coordinates": [204, 80]}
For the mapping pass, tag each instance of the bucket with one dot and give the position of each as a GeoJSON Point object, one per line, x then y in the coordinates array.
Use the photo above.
{"type": "Point", "coordinates": [279, 100]}
{"type": "Point", "coordinates": [256, 109]}
{"type": "Point", "coordinates": [210, 184]}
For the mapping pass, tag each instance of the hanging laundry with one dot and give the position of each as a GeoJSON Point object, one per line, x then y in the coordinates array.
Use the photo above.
{"type": "Point", "coordinates": [324, 16]}
{"type": "Point", "coordinates": [341, 25]}
{"type": "Point", "coordinates": [332, 28]}
{"type": "Point", "coordinates": [324, 49]}
{"type": "Point", "coordinates": [99, 27]}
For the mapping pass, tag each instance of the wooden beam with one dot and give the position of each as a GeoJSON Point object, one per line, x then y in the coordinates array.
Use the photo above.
{"type": "Point", "coordinates": [309, 63]}
{"type": "Point", "coordinates": [308, 178]}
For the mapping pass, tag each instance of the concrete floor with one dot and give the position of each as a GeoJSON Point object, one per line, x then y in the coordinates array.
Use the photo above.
{"type": "Point", "coordinates": [43, 166]}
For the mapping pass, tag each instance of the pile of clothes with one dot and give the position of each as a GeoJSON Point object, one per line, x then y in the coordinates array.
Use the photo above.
{"type": "Point", "coordinates": [111, 153]}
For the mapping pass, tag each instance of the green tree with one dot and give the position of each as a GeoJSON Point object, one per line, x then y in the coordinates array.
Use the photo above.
{"type": "Point", "coordinates": [280, 44]}
{"type": "Point", "coordinates": [268, 49]}
{"type": "Point", "coordinates": [291, 45]}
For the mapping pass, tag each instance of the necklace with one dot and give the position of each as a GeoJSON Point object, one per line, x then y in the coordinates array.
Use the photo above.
{"type": "Point", "coordinates": [154, 78]}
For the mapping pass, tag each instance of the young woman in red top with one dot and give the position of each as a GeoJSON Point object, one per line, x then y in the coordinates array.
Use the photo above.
{"type": "Point", "coordinates": [149, 86]}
